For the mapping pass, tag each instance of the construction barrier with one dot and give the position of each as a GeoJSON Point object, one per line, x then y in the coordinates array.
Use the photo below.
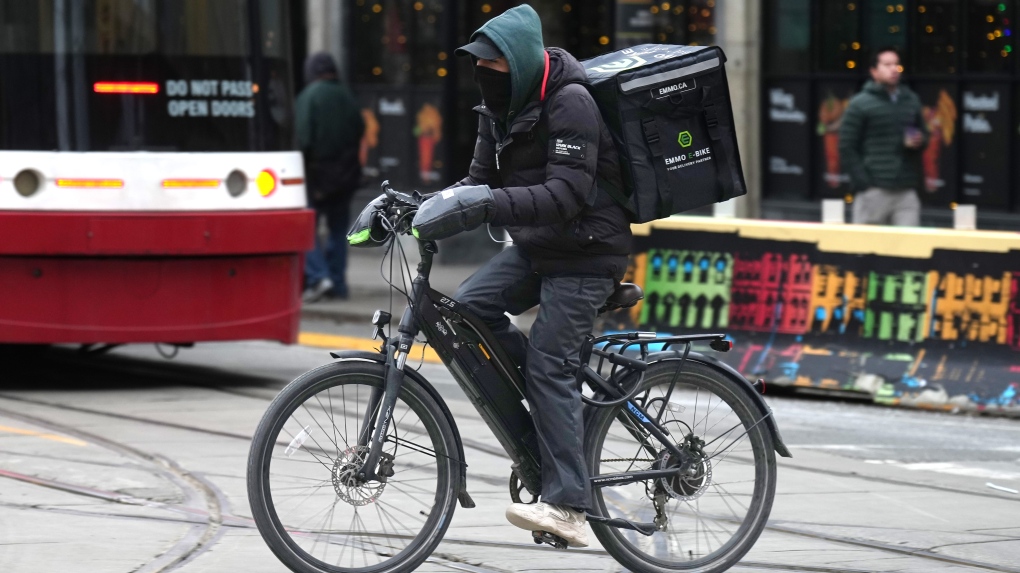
{"type": "Point", "coordinates": [910, 316]}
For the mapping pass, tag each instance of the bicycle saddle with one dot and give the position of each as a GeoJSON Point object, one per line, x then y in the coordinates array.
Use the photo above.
{"type": "Point", "coordinates": [625, 296]}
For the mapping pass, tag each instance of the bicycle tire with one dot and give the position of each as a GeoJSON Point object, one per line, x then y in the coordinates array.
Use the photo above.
{"type": "Point", "coordinates": [265, 440]}
{"type": "Point", "coordinates": [618, 542]}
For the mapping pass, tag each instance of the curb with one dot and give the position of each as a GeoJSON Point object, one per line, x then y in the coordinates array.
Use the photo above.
{"type": "Point", "coordinates": [335, 342]}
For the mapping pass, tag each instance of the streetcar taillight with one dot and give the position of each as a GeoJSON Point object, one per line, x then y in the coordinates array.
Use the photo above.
{"type": "Point", "coordinates": [125, 87]}
{"type": "Point", "coordinates": [266, 182]}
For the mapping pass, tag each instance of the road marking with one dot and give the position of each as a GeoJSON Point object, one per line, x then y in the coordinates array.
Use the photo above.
{"type": "Point", "coordinates": [949, 468]}
{"type": "Point", "coordinates": [908, 506]}
{"type": "Point", "coordinates": [43, 435]}
{"type": "Point", "coordinates": [335, 342]}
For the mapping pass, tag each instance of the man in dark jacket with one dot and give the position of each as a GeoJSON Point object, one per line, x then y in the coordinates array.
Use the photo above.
{"type": "Point", "coordinates": [329, 130]}
{"type": "Point", "coordinates": [542, 147]}
{"type": "Point", "coordinates": [880, 143]}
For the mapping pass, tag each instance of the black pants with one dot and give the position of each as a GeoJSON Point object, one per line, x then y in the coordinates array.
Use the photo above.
{"type": "Point", "coordinates": [567, 313]}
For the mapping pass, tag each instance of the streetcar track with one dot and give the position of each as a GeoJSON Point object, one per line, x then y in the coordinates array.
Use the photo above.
{"type": "Point", "coordinates": [197, 491]}
{"type": "Point", "coordinates": [206, 541]}
{"type": "Point", "coordinates": [443, 558]}
{"type": "Point", "coordinates": [485, 448]}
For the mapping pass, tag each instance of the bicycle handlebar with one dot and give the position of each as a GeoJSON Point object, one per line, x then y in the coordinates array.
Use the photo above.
{"type": "Point", "coordinates": [407, 200]}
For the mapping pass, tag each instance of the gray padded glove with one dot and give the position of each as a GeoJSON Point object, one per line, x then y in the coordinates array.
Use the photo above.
{"type": "Point", "coordinates": [454, 211]}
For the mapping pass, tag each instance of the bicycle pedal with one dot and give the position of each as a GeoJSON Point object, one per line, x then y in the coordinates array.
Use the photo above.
{"type": "Point", "coordinates": [549, 539]}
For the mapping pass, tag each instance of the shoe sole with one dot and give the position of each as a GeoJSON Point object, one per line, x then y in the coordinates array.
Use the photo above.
{"type": "Point", "coordinates": [540, 525]}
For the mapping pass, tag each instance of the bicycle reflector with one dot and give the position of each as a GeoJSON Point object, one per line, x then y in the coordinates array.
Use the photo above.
{"type": "Point", "coordinates": [265, 181]}
{"type": "Point", "coordinates": [721, 345]}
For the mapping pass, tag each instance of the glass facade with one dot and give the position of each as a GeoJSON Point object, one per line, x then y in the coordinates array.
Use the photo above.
{"type": "Point", "coordinates": [957, 55]}
{"type": "Point", "coordinates": [417, 96]}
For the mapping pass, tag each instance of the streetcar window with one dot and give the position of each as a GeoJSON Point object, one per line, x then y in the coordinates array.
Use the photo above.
{"type": "Point", "coordinates": [221, 70]}
{"type": "Point", "coordinates": [134, 27]}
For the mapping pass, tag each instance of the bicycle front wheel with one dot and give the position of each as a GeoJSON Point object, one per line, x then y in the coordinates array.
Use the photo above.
{"type": "Point", "coordinates": [710, 516]}
{"type": "Point", "coordinates": [309, 507]}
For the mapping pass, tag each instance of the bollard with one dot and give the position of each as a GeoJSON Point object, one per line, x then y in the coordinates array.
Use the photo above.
{"type": "Point", "coordinates": [834, 211]}
{"type": "Point", "coordinates": [725, 210]}
{"type": "Point", "coordinates": [965, 217]}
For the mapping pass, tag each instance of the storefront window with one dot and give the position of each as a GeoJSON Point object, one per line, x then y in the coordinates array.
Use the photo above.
{"type": "Point", "coordinates": [790, 21]}
{"type": "Point", "coordinates": [936, 37]}
{"type": "Point", "coordinates": [701, 28]}
{"type": "Point", "coordinates": [691, 22]}
{"type": "Point", "coordinates": [400, 42]}
{"type": "Point", "coordinates": [886, 24]}
{"type": "Point", "coordinates": [429, 60]}
{"type": "Point", "coordinates": [839, 45]}
{"type": "Point", "coordinates": [989, 36]}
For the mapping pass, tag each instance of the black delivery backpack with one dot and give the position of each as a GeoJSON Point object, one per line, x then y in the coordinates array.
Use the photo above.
{"type": "Point", "coordinates": [668, 108]}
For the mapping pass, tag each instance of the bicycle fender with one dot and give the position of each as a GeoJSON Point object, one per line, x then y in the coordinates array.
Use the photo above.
{"type": "Point", "coordinates": [462, 496]}
{"type": "Point", "coordinates": [742, 383]}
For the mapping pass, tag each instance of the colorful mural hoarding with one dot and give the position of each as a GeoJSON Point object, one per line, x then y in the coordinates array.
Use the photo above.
{"type": "Point", "coordinates": [936, 330]}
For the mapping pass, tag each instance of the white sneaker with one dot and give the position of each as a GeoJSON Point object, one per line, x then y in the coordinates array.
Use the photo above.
{"type": "Point", "coordinates": [318, 290]}
{"type": "Point", "coordinates": [556, 519]}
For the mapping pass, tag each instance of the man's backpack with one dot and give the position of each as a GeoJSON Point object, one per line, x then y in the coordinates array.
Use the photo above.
{"type": "Point", "coordinates": [668, 108]}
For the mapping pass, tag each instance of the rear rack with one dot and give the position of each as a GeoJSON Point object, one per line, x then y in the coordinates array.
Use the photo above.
{"type": "Point", "coordinates": [626, 340]}
{"type": "Point", "coordinates": [624, 367]}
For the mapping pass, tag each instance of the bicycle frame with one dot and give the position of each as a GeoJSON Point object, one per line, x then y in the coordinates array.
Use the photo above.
{"type": "Point", "coordinates": [494, 385]}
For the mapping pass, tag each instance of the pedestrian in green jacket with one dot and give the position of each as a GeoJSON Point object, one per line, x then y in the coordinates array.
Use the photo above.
{"type": "Point", "coordinates": [329, 130]}
{"type": "Point", "coordinates": [880, 142]}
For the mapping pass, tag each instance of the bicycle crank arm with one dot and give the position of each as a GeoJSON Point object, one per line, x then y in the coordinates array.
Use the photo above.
{"type": "Point", "coordinates": [642, 528]}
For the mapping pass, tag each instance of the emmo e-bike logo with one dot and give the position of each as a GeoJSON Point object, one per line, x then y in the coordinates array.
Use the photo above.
{"type": "Point", "coordinates": [685, 139]}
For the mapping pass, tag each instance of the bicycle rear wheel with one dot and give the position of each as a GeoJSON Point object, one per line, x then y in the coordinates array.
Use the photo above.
{"type": "Point", "coordinates": [305, 501]}
{"type": "Point", "coordinates": [708, 518]}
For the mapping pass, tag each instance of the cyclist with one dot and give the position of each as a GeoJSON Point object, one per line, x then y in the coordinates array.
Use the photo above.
{"type": "Point", "coordinates": [541, 159]}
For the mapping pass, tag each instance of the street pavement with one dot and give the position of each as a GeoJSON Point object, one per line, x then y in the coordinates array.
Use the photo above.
{"type": "Point", "coordinates": [130, 462]}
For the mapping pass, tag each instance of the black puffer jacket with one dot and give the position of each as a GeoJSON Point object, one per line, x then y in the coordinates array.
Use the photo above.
{"type": "Point", "coordinates": [543, 169]}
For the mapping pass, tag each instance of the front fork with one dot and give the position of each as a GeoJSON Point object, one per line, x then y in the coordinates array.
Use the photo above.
{"type": "Point", "coordinates": [379, 413]}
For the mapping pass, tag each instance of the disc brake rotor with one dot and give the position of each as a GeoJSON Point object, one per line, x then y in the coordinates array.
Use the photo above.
{"type": "Point", "coordinates": [345, 482]}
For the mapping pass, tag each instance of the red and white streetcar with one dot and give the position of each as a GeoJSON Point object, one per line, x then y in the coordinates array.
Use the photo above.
{"type": "Point", "coordinates": [148, 191]}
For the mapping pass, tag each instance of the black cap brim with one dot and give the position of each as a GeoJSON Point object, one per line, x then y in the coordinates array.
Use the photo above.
{"type": "Point", "coordinates": [480, 48]}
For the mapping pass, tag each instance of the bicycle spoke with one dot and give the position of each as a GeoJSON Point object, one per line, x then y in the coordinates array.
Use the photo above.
{"type": "Point", "coordinates": [378, 521]}
{"type": "Point", "coordinates": [704, 512]}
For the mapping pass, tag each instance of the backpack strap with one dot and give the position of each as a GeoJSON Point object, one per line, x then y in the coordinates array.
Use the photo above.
{"type": "Point", "coordinates": [651, 130]}
{"type": "Point", "coordinates": [613, 191]}
{"type": "Point", "coordinates": [724, 177]}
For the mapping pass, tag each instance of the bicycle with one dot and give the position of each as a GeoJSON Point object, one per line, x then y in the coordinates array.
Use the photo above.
{"type": "Point", "coordinates": [693, 494]}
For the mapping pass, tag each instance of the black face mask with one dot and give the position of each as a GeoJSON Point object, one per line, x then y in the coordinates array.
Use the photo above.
{"type": "Point", "coordinates": [495, 88]}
